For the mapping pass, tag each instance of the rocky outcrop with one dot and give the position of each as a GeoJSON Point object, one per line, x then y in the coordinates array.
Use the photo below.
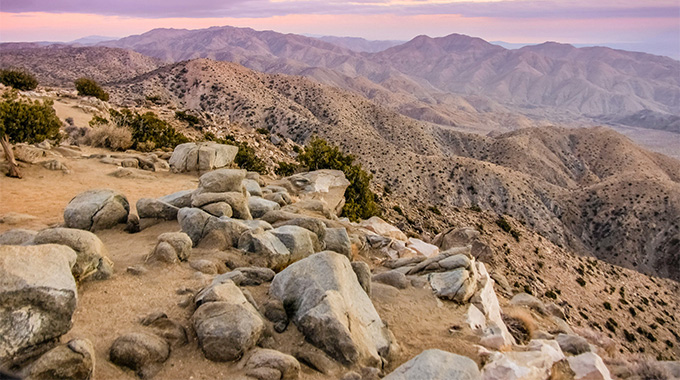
{"type": "Point", "coordinates": [202, 156]}
{"type": "Point", "coordinates": [332, 310]}
{"type": "Point", "coordinates": [226, 324]}
{"type": "Point", "coordinates": [92, 261]}
{"type": "Point", "coordinates": [96, 210]}
{"type": "Point", "coordinates": [436, 365]}
{"type": "Point", "coordinates": [326, 185]}
{"type": "Point", "coordinates": [588, 366]}
{"type": "Point", "coordinates": [37, 297]}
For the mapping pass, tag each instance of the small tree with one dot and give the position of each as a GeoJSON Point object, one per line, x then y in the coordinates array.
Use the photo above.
{"type": "Point", "coordinates": [25, 121]}
{"type": "Point", "coordinates": [19, 79]}
{"type": "Point", "coordinates": [88, 87]}
{"type": "Point", "coordinates": [359, 199]}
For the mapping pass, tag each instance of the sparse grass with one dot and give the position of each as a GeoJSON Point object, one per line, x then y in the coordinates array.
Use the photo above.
{"type": "Point", "coordinates": [520, 323]}
{"type": "Point", "coordinates": [109, 136]}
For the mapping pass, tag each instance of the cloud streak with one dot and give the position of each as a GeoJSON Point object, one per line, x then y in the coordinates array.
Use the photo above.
{"type": "Point", "coordinates": [577, 9]}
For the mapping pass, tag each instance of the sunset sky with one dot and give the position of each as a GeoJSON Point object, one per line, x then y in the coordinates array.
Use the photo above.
{"type": "Point", "coordinates": [650, 25]}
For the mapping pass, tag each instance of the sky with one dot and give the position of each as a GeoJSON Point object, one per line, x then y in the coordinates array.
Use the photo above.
{"type": "Point", "coordinates": [651, 26]}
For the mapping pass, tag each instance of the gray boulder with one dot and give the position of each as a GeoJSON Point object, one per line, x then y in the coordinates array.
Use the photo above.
{"type": "Point", "coordinates": [157, 209]}
{"type": "Point", "coordinates": [363, 272]}
{"type": "Point", "coordinates": [260, 206]}
{"type": "Point", "coordinates": [74, 360]}
{"type": "Point", "coordinates": [192, 221]}
{"type": "Point", "coordinates": [37, 297]}
{"type": "Point", "coordinates": [17, 236]}
{"type": "Point", "coordinates": [93, 260]}
{"type": "Point", "coordinates": [143, 353]}
{"type": "Point", "coordinates": [337, 240]}
{"type": "Point", "coordinates": [201, 156]}
{"type": "Point", "coordinates": [96, 210]}
{"type": "Point", "coordinates": [226, 324]}
{"type": "Point", "coordinates": [248, 276]}
{"type": "Point", "coordinates": [264, 249]}
{"type": "Point", "coordinates": [436, 365]}
{"type": "Point", "coordinates": [222, 181]}
{"type": "Point", "coordinates": [300, 242]}
{"type": "Point", "coordinates": [179, 199]}
{"type": "Point", "coordinates": [282, 198]}
{"type": "Point", "coordinates": [172, 247]}
{"type": "Point", "coordinates": [332, 310]}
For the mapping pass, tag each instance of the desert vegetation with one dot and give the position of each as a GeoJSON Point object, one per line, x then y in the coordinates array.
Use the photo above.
{"type": "Point", "coordinates": [19, 79]}
{"type": "Point", "coordinates": [89, 87]}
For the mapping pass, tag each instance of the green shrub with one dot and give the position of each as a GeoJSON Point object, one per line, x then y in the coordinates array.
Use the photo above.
{"type": "Point", "coordinates": [285, 169]}
{"type": "Point", "coordinates": [359, 199]}
{"type": "Point", "coordinates": [581, 281]}
{"type": "Point", "coordinates": [88, 87]}
{"type": "Point", "coordinates": [26, 120]}
{"type": "Point", "coordinates": [148, 131]}
{"type": "Point", "coordinates": [246, 159]}
{"type": "Point", "coordinates": [607, 306]}
{"type": "Point", "coordinates": [19, 79]}
{"type": "Point", "coordinates": [611, 325]}
{"type": "Point", "coordinates": [190, 119]}
{"type": "Point", "coordinates": [262, 131]}
{"type": "Point", "coordinates": [98, 120]}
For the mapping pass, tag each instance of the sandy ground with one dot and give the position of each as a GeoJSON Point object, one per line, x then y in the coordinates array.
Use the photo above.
{"type": "Point", "coordinates": [107, 309]}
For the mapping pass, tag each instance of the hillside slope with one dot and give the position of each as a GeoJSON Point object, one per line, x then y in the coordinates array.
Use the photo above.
{"type": "Point", "coordinates": [590, 189]}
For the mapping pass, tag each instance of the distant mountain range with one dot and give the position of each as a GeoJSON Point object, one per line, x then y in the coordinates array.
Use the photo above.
{"type": "Point", "coordinates": [554, 81]}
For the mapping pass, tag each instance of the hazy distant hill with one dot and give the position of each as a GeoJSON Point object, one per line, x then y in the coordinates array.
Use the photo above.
{"type": "Point", "coordinates": [361, 44]}
{"type": "Point", "coordinates": [550, 80]}
{"type": "Point", "coordinates": [590, 189]}
{"type": "Point", "coordinates": [60, 65]}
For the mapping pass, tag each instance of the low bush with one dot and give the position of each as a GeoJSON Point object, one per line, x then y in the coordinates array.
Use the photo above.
{"type": "Point", "coordinates": [285, 169]}
{"type": "Point", "coordinates": [18, 79]}
{"type": "Point", "coordinates": [148, 131]}
{"type": "Point", "coordinates": [88, 87]}
{"type": "Point", "coordinates": [109, 136]}
{"type": "Point", "coordinates": [27, 121]}
{"type": "Point", "coordinates": [190, 119]}
{"type": "Point", "coordinates": [520, 323]}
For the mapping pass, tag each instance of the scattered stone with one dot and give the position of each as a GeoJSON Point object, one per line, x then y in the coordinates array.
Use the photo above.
{"type": "Point", "coordinates": [55, 165]}
{"type": "Point", "coordinates": [363, 273]}
{"type": "Point", "coordinates": [172, 247]}
{"type": "Point", "coordinates": [588, 366]}
{"type": "Point", "coordinates": [156, 209]}
{"type": "Point", "coordinates": [37, 297]}
{"type": "Point", "coordinates": [573, 344]}
{"type": "Point", "coordinates": [392, 278]}
{"type": "Point", "coordinates": [436, 365]}
{"type": "Point", "coordinates": [74, 360]}
{"type": "Point", "coordinates": [285, 366]}
{"type": "Point", "coordinates": [260, 206]}
{"type": "Point", "coordinates": [536, 363]}
{"type": "Point", "coordinates": [203, 156]}
{"type": "Point", "coordinates": [332, 310]}
{"type": "Point", "coordinates": [142, 352]}
{"type": "Point", "coordinates": [130, 173]}
{"type": "Point", "coordinates": [17, 236]}
{"type": "Point", "coordinates": [130, 163]}
{"type": "Point", "coordinates": [92, 262]}
{"type": "Point", "coordinates": [529, 301]}
{"type": "Point", "coordinates": [96, 210]}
